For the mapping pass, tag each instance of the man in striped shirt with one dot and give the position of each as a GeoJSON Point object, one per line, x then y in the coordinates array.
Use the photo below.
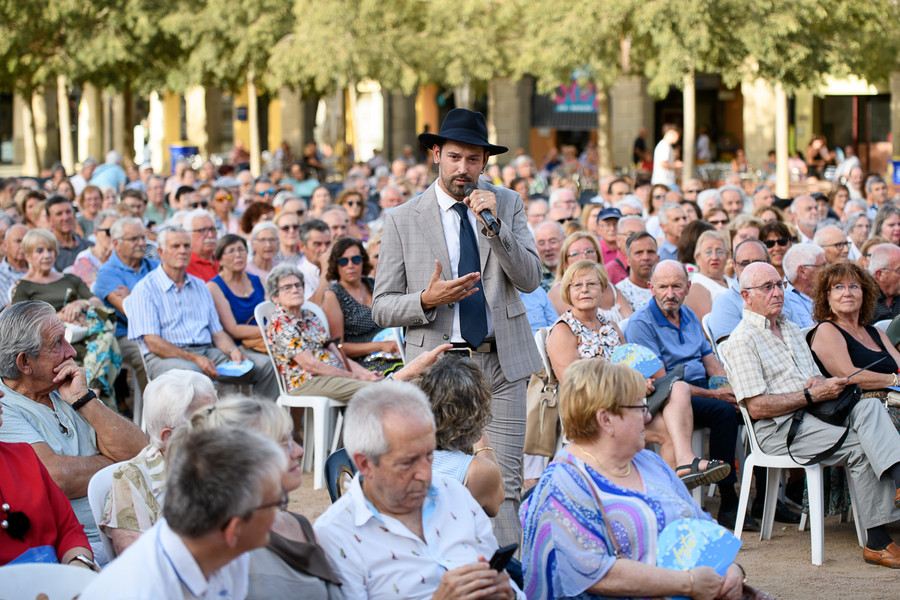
{"type": "Point", "coordinates": [172, 316]}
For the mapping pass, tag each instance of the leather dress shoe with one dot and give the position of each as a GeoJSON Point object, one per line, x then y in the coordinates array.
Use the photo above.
{"type": "Point", "coordinates": [782, 513]}
{"type": "Point", "coordinates": [728, 519]}
{"type": "Point", "coordinates": [889, 557]}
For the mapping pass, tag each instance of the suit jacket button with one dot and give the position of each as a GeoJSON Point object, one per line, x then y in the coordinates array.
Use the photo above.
{"type": "Point", "coordinates": [446, 337]}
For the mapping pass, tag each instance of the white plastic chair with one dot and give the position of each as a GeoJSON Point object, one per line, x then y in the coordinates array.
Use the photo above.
{"type": "Point", "coordinates": [398, 337]}
{"type": "Point", "coordinates": [815, 484]}
{"type": "Point", "coordinates": [883, 324]}
{"type": "Point", "coordinates": [320, 409]}
{"type": "Point", "coordinates": [97, 491]}
{"type": "Point", "coordinates": [58, 582]}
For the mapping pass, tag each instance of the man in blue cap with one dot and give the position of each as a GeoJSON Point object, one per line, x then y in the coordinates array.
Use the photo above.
{"type": "Point", "coordinates": [448, 277]}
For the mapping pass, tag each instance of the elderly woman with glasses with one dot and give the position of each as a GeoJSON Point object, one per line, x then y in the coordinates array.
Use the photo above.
{"type": "Point", "coordinates": [292, 564]}
{"type": "Point", "coordinates": [311, 363]}
{"type": "Point", "coordinates": [236, 293]}
{"type": "Point", "coordinates": [88, 262]}
{"type": "Point", "coordinates": [264, 243]}
{"type": "Point", "coordinates": [843, 302]}
{"type": "Point", "coordinates": [582, 245]}
{"type": "Point", "coordinates": [709, 281]}
{"type": "Point", "coordinates": [348, 307]}
{"type": "Point", "coordinates": [592, 523]}
{"type": "Point", "coordinates": [223, 215]}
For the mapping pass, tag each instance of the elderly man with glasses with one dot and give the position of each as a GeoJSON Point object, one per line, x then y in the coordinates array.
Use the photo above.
{"type": "Point", "coordinates": [834, 242]}
{"type": "Point", "coordinates": [801, 263]}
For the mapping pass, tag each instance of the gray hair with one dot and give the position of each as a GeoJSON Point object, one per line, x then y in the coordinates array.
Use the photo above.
{"type": "Point", "coordinates": [704, 195]}
{"type": "Point", "coordinates": [171, 398]}
{"type": "Point", "coordinates": [190, 217]}
{"type": "Point", "coordinates": [236, 410]}
{"type": "Point", "coordinates": [333, 208]}
{"type": "Point", "coordinates": [216, 474]}
{"type": "Point", "coordinates": [733, 188]}
{"type": "Point", "coordinates": [314, 224]}
{"type": "Point", "coordinates": [163, 234]}
{"type": "Point", "coordinates": [663, 217]}
{"type": "Point", "coordinates": [799, 254]}
{"type": "Point", "coordinates": [262, 226]}
{"type": "Point", "coordinates": [881, 258]}
{"type": "Point", "coordinates": [363, 419]}
{"type": "Point", "coordinates": [873, 179]}
{"type": "Point", "coordinates": [853, 217]}
{"type": "Point", "coordinates": [821, 230]}
{"type": "Point", "coordinates": [282, 197]}
{"type": "Point", "coordinates": [117, 229]}
{"type": "Point", "coordinates": [21, 327]}
{"type": "Point", "coordinates": [104, 215]}
{"type": "Point", "coordinates": [629, 219]}
{"type": "Point", "coordinates": [278, 273]}
{"type": "Point", "coordinates": [554, 196]}
{"type": "Point", "coordinates": [631, 201]}
{"type": "Point", "coordinates": [156, 177]}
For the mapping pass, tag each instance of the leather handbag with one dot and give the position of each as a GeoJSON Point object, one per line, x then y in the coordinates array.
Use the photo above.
{"type": "Point", "coordinates": [836, 412]}
{"type": "Point", "coordinates": [542, 414]}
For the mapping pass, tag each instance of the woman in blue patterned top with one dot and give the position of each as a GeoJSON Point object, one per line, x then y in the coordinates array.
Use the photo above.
{"type": "Point", "coordinates": [567, 550]}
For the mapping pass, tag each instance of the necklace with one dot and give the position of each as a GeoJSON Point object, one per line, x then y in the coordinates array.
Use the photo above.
{"type": "Point", "coordinates": [15, 523]}
{"type": "Point", "coordinates": [605, 468]}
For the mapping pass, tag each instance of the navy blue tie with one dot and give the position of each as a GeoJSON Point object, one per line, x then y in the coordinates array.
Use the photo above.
{"type": "Point", "coordinates": [472, 318]}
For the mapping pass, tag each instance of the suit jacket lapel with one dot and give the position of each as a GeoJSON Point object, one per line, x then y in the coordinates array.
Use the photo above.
{"type": "Point", "coordinates": [429, 220]}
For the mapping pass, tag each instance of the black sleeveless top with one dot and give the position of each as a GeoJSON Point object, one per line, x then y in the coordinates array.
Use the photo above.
{"type": "Point", "coordinates": [860, 355]}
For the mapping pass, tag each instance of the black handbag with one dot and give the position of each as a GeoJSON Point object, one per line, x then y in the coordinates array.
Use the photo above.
{"type": "Point", "coordinates": [836, 412]}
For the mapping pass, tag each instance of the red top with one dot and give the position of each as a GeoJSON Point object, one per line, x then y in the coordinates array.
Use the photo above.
{"type": "Point", "coordinates": [204, 269]}
{"type": "Point", "coordinates": [616, 263]}
{"type": "Point", "coordinates": [26, 486]}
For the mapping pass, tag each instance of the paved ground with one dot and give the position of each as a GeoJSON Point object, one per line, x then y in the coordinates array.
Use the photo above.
{"type": "Point", "coordinates": [780, 565]}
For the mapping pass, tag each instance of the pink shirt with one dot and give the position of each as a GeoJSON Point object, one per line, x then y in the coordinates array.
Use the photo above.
{"type": "Point", "coordinates": [615, 262]}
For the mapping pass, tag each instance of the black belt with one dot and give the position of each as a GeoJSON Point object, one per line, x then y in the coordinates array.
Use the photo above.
{"type": "Point", "coordinates": [486, 346]}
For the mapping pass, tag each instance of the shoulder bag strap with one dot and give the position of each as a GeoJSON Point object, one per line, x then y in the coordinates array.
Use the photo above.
{"type": "Point", "coordinates": [792, 433]}
{"type": "Point", "coordinates": [609, 531]}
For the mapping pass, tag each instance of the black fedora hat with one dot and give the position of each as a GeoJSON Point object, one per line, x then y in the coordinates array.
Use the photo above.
{"type": "Point", "coordinates": [464, 126]}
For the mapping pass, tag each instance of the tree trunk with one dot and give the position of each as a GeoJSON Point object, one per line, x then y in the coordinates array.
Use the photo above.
{"type": "Point", "coordinates": [253, 120]}
{"type": "Point", "coordinates": [66, 144]}
{"type": "Point", "coordinates": [128, 126]}
{"type": "Point", "coordinates": [31, 165]}
{"type": "Point", "coordinates": [464, 96]}
{"type": "Point", "coordinates": [783, 175]}
{"type": "Point", "coordinates": [689, 136]}
{"type": "Point", "coordinates": [604, 132]}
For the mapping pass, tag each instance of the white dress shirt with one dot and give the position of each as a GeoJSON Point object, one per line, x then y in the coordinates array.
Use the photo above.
{"type": "Point", "coordinates": [450, 221]}
{"type": "Point", "coordinates": [159, 565]}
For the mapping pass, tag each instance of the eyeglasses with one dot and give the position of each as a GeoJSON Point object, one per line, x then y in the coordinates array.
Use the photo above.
{"type": "Point", "coordinates": [717, 222]}
{"type": "Point", "coordinates": [205, 230]}
{"type": "Point", "coordinates": [280, 504]}
{"type": "Point", "coordinates": [692, 191]}
{"type": "Point", "coordinates": [135, 238]}
{"type": "Point", "coordinates": [589, 285]}
{"type": "Point", "coordinates": [344, 261]}
{"type": "Point", "coordinates": [262, 240]}
{"type": "Point", "coordinates": [300, 212]}
{"type": "Point", "coordinates": [291, 286]}
{"type": "Point", "coordinates": [106, 231]}
{"type": "Point", "coordinates": [223, 198]}
{"type": "Point", "coordinates": [235, 250]}
{"type": "Point", "coordinates": [747, 263]}
{"type": "Point", "coordinates": [659, 196]}
{"type": "Point", "coordinates": [584, 253]}
{"type": "Point", "coordinates": [266, 192]}
{"type": "Point", "coordinates": [642, 407]}
{"type": "Point", "coordinates": [290, 228]}
{"type": "Point", "coordinates": [784, 241]}
{"type": "Point", "coordinates": [549, 243]}
{"type": "Point", "coordinates": [200, 204]}
{"type": "Point", "coordinates": [838, 245]}
{"type": "Point", "coordinates": [353, 203]}
{"type": "Point", "coordinates": [840, 288]}
{"type": "Point", "coordinates": [716, 252]}
{"type": "Point", "coordinates": [768, 286]}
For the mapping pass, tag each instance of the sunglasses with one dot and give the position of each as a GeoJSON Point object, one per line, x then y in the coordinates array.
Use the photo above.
{"type": "Point", "coordinates": [223, 198]}
{"type": "Point", "coordinates": [780, 241]}
{"type": "Point", "coordinates": [718, 222]}
{"type": "Point", "coordinates": [200, 204]}
{"type": "Point", "coordinates": [344, 261]}
{"type": "Point", "coordinates": [266, 192]}
{"type": "Point", "coordinates": [289, 228]}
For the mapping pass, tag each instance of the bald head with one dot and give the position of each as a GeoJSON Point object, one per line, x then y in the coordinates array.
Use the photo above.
{"type": "Point", "coordinates": [669, 286]}
{"type": "Point", "coordinates": [756, 272]}
{"type": "Point", "coordinates": [834, 242]}
{"type": "Point", "coordinates": [669, 268]}
{"type": "Point", "coordinates": [762, 290]}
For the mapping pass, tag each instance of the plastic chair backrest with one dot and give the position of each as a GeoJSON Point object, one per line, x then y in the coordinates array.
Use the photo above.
{"type": "Point", "coordinates": [58, 582]}
{"type": "Point", "coordinates": [540, 340]}
{"type": "Point", "coordinates": [98, 490]}
{"type": "Point", "coordinates": [338, 470]}
{"type": "Point", "coordinates": [263, 314]}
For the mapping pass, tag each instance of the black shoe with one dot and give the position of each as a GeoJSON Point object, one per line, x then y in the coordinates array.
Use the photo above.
{"type": "Point", "coordinates": [728, 519]}
{"type": "Point", "coordinates": [782, 513]}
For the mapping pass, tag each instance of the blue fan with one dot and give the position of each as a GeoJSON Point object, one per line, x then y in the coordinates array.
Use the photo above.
{"type": "Point", "coordinates": [640, 358]}
{"type": "Point", "coordinates": [688, 543]}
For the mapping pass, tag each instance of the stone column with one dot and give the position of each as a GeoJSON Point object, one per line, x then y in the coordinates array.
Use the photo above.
{"type": "Point", "coordinates": [759, 120]}
{"type": "Point", "coordinates": [197, 119]}
{"type": "Point", "coordinates": [90, 124]}
{"type": "Point", "coordinates": [509, 114]}
{"type": "Point", "coordinates": [399, 122]}
{"type": "Point", "coordinates": [632, 108]}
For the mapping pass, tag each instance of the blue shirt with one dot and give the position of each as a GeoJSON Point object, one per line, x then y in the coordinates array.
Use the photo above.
{"type": "Point", "coordinates": [115, 273]}
{"type": "Point", "coordinates": [183, 318]}
{"type": "Point", "coordinates": [801, 307]}
{"type": "Point", "coordinates": [539, 308]}
{"type": "Point", "coordinates": [728, 310]}
{"type": "Point", "coordinates": [675, 346]}
{"type": "Point", "coordinates": [109, 174]}
{"type": "Point", "coordinates": [667, 251]}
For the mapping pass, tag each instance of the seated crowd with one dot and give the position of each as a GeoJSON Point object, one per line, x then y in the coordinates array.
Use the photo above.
{"type": "Point", "coordinates": [747, 300]}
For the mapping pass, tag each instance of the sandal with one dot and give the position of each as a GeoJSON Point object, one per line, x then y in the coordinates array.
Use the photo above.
{"type": "Point", "coordinates": [715, 470]}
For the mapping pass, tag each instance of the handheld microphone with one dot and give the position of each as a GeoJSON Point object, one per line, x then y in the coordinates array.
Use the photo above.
{"type": "Point", "coordinates": [486, 215]}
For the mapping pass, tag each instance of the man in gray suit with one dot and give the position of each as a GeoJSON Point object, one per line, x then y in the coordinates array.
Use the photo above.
{"type": "Point", "coordinates": [447, 277]}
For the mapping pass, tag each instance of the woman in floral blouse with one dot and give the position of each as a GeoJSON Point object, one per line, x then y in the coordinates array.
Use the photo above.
{"type": "Point", "coordinates": [311, 364]}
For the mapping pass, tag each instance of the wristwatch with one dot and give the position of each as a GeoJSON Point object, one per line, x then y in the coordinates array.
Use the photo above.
{"type": "Point", "coordinates": [86, 561]}
{"type": "Point", "coordinates": [78, 404]}
{"type": "Point", "coordinates": [808, 396]}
